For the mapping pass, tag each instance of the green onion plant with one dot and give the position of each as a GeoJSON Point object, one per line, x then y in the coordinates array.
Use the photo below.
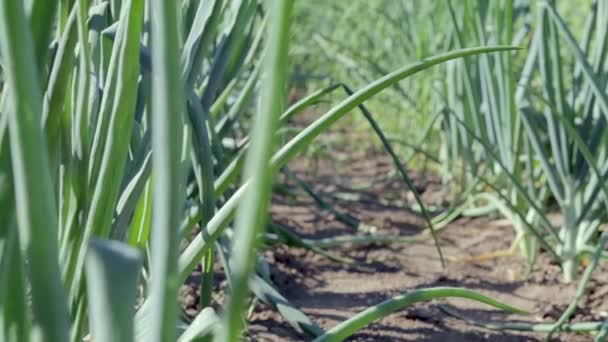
{"type": "Point", "coordinates": [132, 134]}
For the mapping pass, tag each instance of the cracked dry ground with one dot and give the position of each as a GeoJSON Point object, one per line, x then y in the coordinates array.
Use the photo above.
{"type": "Point", "coordinates": [330, 292]}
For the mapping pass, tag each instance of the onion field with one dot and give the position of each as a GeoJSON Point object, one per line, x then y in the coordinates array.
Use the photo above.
{"type": "Point", "coordinates": [292, 170]}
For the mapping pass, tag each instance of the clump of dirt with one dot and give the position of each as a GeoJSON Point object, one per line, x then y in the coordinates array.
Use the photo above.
{"type": "Point", "coordinates": [331, 292]}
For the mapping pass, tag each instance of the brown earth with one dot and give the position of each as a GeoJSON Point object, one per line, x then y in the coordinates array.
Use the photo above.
{"type": "Point", "coordinates": [330, 292]}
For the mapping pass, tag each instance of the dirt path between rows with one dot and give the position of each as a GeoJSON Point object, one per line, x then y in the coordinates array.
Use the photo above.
{"type": "Point", "coordinates": [330, 292]}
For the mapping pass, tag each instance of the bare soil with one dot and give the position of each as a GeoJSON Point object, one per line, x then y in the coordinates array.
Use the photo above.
{"type": "Point", "coordinates": [330, 292]}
